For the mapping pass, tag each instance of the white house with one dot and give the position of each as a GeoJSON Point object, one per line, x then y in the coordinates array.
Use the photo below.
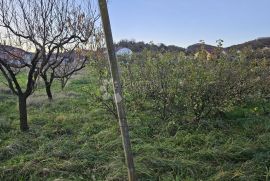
{"type": "Point", "coordinates": [124, 52]}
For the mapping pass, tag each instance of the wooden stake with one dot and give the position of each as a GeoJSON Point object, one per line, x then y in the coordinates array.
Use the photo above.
{"type": "Point", "coordinates": [117, 89]}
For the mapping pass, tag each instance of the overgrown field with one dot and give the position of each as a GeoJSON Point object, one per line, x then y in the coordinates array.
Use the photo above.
{"type": "Point", "coordinates": [74, 138]}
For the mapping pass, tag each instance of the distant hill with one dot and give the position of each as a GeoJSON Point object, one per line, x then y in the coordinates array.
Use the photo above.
{"type": "Point", "coordinates": [136, 47]}
{"type": "Point", "coordinates": [254, 44]}
{"type": "Point", "coordinates": [196, 47]}
{"type": "Point", "coordinates": [140, 46]}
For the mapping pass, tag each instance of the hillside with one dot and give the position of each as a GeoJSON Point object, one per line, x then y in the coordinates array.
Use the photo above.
{"type": "Point", "coordinates": [196, 47]}
{"type": "Point", "coordinates": [254, 44]}
{"type": "Point", "coordinates": [140, 46]}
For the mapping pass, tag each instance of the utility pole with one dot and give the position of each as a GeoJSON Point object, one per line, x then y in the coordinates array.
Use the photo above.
{"type": "Point", "coordinates": [117, 89]}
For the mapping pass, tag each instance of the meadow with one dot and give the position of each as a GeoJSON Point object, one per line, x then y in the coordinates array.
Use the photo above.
{"type": "Point", "coordinates": [74, 137]}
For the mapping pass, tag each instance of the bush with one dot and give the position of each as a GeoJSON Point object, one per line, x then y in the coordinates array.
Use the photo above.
{"type": "Point", "coordinates": [175, 85]}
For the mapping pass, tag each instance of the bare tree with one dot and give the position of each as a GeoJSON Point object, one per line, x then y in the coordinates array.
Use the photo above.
{"type": "Point", "coordinates": [68, 63]}
{"type": "Point", "coordinates": [98, 54]}
{"type": "Point", "coordinates": [10, 71]}
{"type": "Point", "coordinates": [44, 27]}
{"type": "Point", "coordinates": [74, 26]}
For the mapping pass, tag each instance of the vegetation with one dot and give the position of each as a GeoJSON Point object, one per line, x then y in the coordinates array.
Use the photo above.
{"type": "Point", "coordinates": [140, 46]}
{"type": "Point", "coordinates": [172, 84]}
{"type": "Point", "coordinates": [189, 120]}
{"type": "Point", "coordinates": [200, 113]}
{"type": "Point", "coordinates": [53, 31]}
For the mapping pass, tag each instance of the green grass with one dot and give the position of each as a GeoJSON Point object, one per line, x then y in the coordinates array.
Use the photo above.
{"type": "Point", "coordinates": [70, 139]}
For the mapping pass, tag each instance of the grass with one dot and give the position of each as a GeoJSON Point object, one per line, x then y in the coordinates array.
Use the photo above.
{"type": "Point", "coordinates": [71, 139]}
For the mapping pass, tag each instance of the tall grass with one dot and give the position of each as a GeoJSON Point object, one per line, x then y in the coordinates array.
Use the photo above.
{"type": "Point", "coordinates": [72, 139]}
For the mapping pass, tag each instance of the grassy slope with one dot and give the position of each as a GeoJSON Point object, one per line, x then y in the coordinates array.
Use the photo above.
{"type": "Point", "coordinates": [72, 140]}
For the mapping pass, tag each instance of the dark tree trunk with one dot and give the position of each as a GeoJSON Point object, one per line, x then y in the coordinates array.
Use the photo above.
{"type": "Point", "coordinates": [23, 113]}
{"type": "Point", "coordinates": [63, 83]}
{"type": "Point", "coordinates": [48, 90]}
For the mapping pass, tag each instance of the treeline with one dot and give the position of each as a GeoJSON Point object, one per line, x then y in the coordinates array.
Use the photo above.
{"type": "Point", "coordinates": [140, 46]}
{"type": "Point", "coordinates": [259, 43]}
{"type": "Point", "coordinates": [258, 48]}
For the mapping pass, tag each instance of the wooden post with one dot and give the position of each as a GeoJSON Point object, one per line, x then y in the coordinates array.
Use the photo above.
{"type": "Point", "coordinates": [117, 89]}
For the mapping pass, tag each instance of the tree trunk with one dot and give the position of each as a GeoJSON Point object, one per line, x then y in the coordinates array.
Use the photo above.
{"type": "Point", "coordinates": [23, 113]}
{"type": "Point", "coordinates": [48, 90]}
{"type": "Point", "coordinates": [62, 84]}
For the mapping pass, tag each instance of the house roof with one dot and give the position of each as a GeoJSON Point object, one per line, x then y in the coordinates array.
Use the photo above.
{"type": "Point", "coordinates": [124, 51]}
{"type": "Point", "coordinates": [12, 53]}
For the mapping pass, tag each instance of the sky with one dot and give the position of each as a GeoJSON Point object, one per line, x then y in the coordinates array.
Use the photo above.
{"type": "Point", "coordinates": [185, 22]}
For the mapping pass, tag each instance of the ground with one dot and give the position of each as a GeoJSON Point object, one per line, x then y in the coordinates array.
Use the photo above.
{"type": "Point", "coordinates": [71, 139]}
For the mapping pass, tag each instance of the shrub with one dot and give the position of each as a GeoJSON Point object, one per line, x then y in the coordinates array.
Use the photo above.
{"type": "Point", "coordinates": [175, 85]}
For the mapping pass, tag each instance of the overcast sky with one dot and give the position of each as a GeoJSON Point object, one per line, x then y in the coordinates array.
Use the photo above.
{"type": "Point", "coordinates": [185, 22]}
